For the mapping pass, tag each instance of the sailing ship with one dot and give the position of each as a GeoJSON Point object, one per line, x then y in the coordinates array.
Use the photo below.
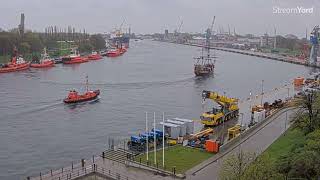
{"type": "Point", "coordinates": [205, 63]}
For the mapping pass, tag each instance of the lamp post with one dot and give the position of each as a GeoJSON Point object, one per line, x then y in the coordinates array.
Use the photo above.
{"type": "Point", "coordinates": [262, 92]}
{"type": "Point", "coordinates": [240, 131]}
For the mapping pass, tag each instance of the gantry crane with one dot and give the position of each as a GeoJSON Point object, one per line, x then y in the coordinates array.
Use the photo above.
{"type": "Point", "coordinates": [228, 109]}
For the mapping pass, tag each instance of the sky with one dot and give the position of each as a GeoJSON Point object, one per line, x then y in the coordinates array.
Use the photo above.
{"type": "Point", "coordinates": [153, 16]}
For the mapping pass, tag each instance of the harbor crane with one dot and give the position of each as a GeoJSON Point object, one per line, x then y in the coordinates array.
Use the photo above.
{"type": "Point", "coordinates": [228, 109]}
{"type": "Point", "coordinates": [314, 39]}
{"type": "Point", "coordinates": [209, 34]}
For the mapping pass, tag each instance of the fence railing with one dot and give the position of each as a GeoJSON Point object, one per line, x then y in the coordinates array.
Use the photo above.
{"type": "Point", "coordinates": [81, 169]}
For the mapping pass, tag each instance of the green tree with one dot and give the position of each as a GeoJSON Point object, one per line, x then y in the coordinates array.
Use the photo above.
{"type": "Point", "coordinates": [24, 48]}
{"type": "Point", "coordinates": [234, 166]}
{"type": "Point", "coordinates": [97, 41]}
{"type": "Point", "coordinates": [262, 168]}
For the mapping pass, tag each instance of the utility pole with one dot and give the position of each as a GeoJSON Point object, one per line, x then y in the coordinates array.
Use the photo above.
{"type": "Point", "coordinates": [163, 140]}
{"type": "Point", "coordinates": [147, 136]}
{"type": "Point", "coordinates": [154, 139]}
{"type": "Point", "coordinates": [240, 150]}
{"type": "Point", "coordinates": [262, 92]}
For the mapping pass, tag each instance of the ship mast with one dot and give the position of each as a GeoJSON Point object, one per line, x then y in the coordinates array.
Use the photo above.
{"type": "Point", "coordinates": [87, 84]}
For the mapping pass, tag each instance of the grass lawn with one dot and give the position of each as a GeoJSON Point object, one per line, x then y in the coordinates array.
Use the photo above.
{"type": "Point", "coordinates": [284, 143]}
{"type": "Point", "coordinates": [182, 158]}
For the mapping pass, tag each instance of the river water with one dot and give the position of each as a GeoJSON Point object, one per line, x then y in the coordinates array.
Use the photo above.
{"type": "Point", "coordinates": [38, 132]}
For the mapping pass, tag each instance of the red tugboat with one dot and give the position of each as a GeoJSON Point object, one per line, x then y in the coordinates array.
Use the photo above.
{"type": "Point", "coordinates": [116, 52]}
{"type": "Point", "coordinates": [44, 62]}
{"type": "Point", "coordinates": [74, 97]}
{"type": "Point", "coordinates": [16, 64]}
{"type": "Point", "coordinates": [74, 58]}
{"type": "Point", "coordinates": [94, 56]}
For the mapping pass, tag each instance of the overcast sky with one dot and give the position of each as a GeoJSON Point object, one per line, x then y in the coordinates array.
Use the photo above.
{"type": "Point", "coordinates": [149, 16]}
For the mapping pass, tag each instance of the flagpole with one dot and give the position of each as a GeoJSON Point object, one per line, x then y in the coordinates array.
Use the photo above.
{"type": "Point", "coordinates": [163, 140]}
{"type": "Point", "coordinates": [154, 138]}
{"type": "Point", "coordinates": [147, 136]}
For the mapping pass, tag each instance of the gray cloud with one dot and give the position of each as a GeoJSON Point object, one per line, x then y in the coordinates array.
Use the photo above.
{"type": "Point", "coordinates": [146, 16]}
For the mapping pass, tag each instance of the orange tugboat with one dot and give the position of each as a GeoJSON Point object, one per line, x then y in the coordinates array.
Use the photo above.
{"type": "Point", "coordinates": [116, 52]}
{"type": "Point", "coordinates": [44, 62]}
{"type": "Point", "coordinates": [16, 64]}
{"type": "Point", "coordinates": [94, 56]}
{"type": "Point", "coordinates": [74, 58]}
{"type": "Point", "coordinates": [74, 97]}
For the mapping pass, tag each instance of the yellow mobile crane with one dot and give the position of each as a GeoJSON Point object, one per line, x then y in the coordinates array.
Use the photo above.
{"type": "Point", "coordinates": [229, 109]}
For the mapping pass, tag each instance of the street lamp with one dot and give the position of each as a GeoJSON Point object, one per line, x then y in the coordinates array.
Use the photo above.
{"type": "Point", "coordinates": [262, 92]}
{"type": "Point", "coordinates": [240, 131]}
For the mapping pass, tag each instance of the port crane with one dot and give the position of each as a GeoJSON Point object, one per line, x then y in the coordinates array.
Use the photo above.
{"type": "Point", "coordinates": [177, 31]}
{"type": "Point", "coordinates": [228, 109]}
{"type": "Point", "coordinates": [314, 38]}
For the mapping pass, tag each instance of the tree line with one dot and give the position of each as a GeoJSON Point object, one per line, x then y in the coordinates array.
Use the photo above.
{"type": "Point", "coordinates": [34, 42]}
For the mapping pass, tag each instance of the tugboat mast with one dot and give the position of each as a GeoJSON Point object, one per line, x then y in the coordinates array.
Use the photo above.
{"type": "Point", "coordinates": [87, 84]}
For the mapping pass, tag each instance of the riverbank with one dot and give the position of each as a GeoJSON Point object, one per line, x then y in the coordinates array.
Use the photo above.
{"type": "Point", "coordinates": [270, 56]}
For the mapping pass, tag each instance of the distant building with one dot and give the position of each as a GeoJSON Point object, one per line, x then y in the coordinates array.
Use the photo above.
{"type": "Point", "coordinates": [21, 25]}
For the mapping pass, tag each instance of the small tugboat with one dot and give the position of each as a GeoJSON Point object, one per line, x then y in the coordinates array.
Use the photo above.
{"type": "Point", "coordinates": [116, 52]}
{"type": "Point", "coordinates": [74, 58]}
{"type": "Point", "coordinates": [205, 64]}
{"type": "Point", "coordinates": [44, 62]}
{"type": "Point", "coordinates": [17, 64]}
{"type": "Point", "coordinates": [74, 97]}
{"type": "Point", "coordinates": [94, 56]}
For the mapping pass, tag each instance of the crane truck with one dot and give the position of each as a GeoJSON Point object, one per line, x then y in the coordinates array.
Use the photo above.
{"type": "Point", "coordinates": [228, 109]}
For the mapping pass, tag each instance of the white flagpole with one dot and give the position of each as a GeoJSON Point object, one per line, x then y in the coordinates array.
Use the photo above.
{"type": "Point", "coordinates": [147, 136]}
{"type": "Point", "coordinates": [163, 139]}
{"type": "Point", "coordinates": [154, 138]}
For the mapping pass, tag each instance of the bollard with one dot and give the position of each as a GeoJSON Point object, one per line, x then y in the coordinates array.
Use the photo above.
{"type": "Point", "coordinates": [51, 172]}
{"type": "Point", "coordinates": [103, 154]}
{"type": "Point", "coordinates": [174, 170]}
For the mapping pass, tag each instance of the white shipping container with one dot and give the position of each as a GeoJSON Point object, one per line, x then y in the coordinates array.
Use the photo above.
{"type": "Point", "coordinates": [189, 123]}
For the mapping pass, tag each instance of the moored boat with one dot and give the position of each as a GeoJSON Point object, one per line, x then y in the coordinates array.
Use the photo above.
{"type": "Point", "coordinates": [44, 62]}
{"type": "Point", "coordinates": [94, 56]}
{"type": "Point", "coordinates": [116, 52]}
{"type": "Point", "coordinates": [74, 58]}
{"type": "Point", "coordinates": [16, 64]}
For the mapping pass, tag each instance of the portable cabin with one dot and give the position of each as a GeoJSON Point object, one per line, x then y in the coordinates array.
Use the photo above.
{"type": "Point", "coordinates": [183, 126]}
{"type": "Point", "coordinates": [189, 124]}
{"type": "Point", "coordinates": [172, 130]}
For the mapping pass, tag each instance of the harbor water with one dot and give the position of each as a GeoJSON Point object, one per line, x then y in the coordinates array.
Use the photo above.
{"type": "Point", "coordinates": [38, 132]}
